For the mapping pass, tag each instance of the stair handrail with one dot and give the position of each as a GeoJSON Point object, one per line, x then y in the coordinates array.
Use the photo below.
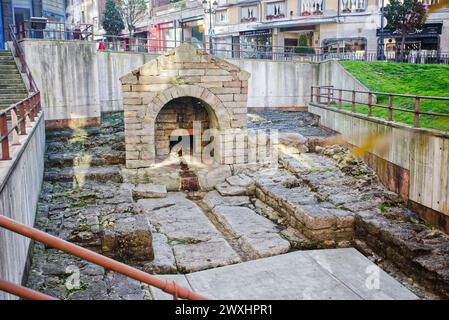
{"type": "Point", "coordinates": [170, 287]}
{"type": "Point", "coordinates": [19, 53]}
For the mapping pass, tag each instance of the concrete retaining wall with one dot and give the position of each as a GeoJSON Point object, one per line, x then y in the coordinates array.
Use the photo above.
{"type": "Point", "coordinates": [332, 73]}
{"type": "Point", "coordinates": [412, 162]}
{"type": "Point", "coordinates": [112, 66]}
{"type": "Point", "coordinates": [66, 73]}
{"type": "Point", "coordinates": [77, 81]}
{"type": "Point", "coordinates": [277, 84]}
{"type": "Point", "coordinates": [20, 185]}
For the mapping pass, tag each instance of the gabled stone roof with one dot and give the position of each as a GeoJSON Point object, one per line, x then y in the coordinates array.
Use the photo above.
{"type": "Point", "coordinates": [186, 59]}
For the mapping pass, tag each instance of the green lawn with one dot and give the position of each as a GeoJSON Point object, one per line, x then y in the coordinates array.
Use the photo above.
{"type": "Point", "coordinates": [405, 78]}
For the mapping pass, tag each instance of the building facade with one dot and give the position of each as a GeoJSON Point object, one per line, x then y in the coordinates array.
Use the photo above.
{"type": "Point", "coordinates": [349, 25]}
{"type": "Point", "coordinates": [433, 37]}
{"type": "Point", "coordinates": [173, 22]}
{"type": "Point", "coordinates": [14, 12]}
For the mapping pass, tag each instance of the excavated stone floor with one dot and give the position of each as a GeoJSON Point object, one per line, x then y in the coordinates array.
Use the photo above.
{"type": "Point", "coordinates": [317, 198]}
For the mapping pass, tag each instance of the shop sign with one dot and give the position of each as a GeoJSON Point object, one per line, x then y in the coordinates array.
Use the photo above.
{"type": "Point", "coordinates": [255, 32]}
{"type": "Point", "coordinates": [428, 29]}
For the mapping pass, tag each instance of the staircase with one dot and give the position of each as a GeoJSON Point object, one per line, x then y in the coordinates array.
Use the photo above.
{"type": "Point", "coordinates": [12, 87]}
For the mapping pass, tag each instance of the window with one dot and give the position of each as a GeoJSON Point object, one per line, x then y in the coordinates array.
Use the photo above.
{"type": "Point", "coordinates": [221, 17]}
{"type": "Point", "coordinates": [351, 6]}
{"type": "Point", "coordinates": [275, 10]}
{"type": "Point", "coordinates": [222, 2]}
{"type": "Point", "coordinates": [249, 14]}
{"type": "Point", "coordinates": [312, 7]}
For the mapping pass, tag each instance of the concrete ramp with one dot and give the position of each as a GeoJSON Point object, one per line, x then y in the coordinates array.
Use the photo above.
{"type": "Point", "coordinates": [333, 274]}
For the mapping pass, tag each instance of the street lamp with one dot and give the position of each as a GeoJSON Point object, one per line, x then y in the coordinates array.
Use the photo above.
{"type": "Point", "coordinates": [210, 8]}
{"type": "Point", "coordinates": [382, 39]}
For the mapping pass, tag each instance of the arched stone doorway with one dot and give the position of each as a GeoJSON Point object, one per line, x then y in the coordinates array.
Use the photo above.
{"type": "Point", "coordinates": [181, 126]}
{"type": "Point", "coordinates": [172, 88]}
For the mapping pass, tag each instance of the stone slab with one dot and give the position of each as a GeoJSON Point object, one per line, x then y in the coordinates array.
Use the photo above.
{"type": "Point", "coordinates": [148, 190]}
{"type": "Point", "coordinates": [333, 274]}
{"type": "Point", "coordinates": [204, 255]}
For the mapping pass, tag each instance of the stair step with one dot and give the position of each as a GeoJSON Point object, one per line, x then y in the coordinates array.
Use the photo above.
{"type": "Point", "coordinates": [5, 71]}
{"type": "Point", "coordinates": [5, 53]}
{"type": "Point", "coordinates": [14, 90]}
{"type": "Point", "coordinates": [68, 174]}
{"type": "Point", "coordinates": [10, 66]}
{"type": "Point", "coordinates": [10, 78]}
{"type": "Point", "coordinates": [6, 96]}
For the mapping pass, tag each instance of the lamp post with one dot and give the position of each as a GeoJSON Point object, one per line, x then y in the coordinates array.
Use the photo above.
{"type": "Point", "coordinates": [210, 8]}
{"type": "Point", "coordinates": [382, 38]}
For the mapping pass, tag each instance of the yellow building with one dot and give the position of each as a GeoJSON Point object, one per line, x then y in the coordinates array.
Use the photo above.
{"type": "Point", "coordinates": [346, 25]}
{"type": "Point", "coordinates": [349, 26]}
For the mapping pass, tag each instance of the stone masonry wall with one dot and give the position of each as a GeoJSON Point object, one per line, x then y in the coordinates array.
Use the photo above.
{"type": "Point", "coordinates": [183, 72]}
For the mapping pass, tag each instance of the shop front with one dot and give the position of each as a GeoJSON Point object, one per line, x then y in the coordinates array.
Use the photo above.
{"type": "Point", "coordinates": [192, 31]}
{"type": "Point", "coordinates": [256, 44]}
{"type": "Point", "coordinates": [425, 40]}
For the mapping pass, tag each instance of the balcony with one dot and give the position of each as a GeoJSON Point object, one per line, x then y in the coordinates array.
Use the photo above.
{"type": "Point", "coordinates": [353, 6]}
{"type": "Point", "coordinates": [249, 14]}
{"type": "Point", "coordinates": [275, 10]}
{"type": "Point", "coordinates": [312, 8]}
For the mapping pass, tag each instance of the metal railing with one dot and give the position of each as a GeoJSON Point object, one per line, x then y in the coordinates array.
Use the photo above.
{"type": "Point", "coordinates": [61, 31]}
{"type": "Point", "coordinates": [54, 31]}
{"type": "Point", "coordinates": [18, 52]}
{"type": "Point", "coordinates": [328, 95]}
{"type": "Point", "coordinates": [170, 287]}
{"type": "Point", "coordinates": [15, 120]}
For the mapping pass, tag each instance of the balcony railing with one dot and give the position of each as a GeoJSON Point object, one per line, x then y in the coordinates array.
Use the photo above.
{"type": "Point", "coordinates": [351, 6]}
{"type": "Point", "coordinates": [312, 7]}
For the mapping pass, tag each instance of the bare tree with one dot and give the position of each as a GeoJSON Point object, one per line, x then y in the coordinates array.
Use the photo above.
{"type": "Point", "coordinates": [132, 11]}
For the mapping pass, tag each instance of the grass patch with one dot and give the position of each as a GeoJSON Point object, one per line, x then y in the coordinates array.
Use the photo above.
{"type": "Point", "coordinates": [405, 78]}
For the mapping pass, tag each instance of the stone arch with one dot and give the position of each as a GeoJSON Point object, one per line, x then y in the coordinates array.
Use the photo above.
{"type": "Point", "coordinates": [217, 111]}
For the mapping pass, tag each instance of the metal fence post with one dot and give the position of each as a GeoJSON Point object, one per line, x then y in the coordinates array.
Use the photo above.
{"type": "Point", "coordinates": [416, 113]}
{"type": "Point", "coordinates": [390, 107]}
{"type": "Point", "coordinates": [4, 137]}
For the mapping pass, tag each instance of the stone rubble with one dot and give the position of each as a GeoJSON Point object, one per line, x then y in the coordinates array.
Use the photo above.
{"type": "Point", "coordinates": [321, 199]}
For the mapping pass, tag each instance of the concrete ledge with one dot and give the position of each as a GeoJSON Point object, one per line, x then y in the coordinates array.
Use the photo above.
{"type": "Point", "coordinates": [284, 109]}
{"type": "Point", "coordinates": [336, 274]}
{"type": "Point", "coordinates": [409, 161]}
{"type": "Point", "coordinates": [72, 123]}
{"type": "Point", "coordinates": [21, 180]}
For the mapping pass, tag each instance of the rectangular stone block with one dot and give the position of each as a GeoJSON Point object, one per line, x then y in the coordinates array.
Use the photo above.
{"type": "Point", "coordinates": [133, 107]}
{"type": "Point", "coordinates": [154, 80]}
{"type": "Point", "coordinates": [191, 72]}
{"type": "Point", "coordinates": [134, 164]}
{"type": "Point", "coordinates": [216, 78]}
{"type": "Point", "coordinates": [132, 139]}
{"type": "Point", "coordinates": [216, 72]}
{"type": "Point", "coordinates": [224, 90]}
{"type": "Point", "coordinates": [126, 87]}
{"type": "Point", "coordinates": [240, 97]}
{"type": "Point", "coordinates": [232, 84]}
{"type": "Point", "coordinates": [132, 155]}
{"type": "Point", "coordinates": [212, 84]}
{"type": "Point", "coordinates": [169, 73]}
{"type": "Point", "coordinates": [132, 101]}
{"type": "Point", "coordinates": [133, 126]}
{"type": "Point", "coordinates": [226, 97]}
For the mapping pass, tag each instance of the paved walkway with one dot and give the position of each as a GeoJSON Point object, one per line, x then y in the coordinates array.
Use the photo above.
{"type": "Point", "coordinates": [333, 274]}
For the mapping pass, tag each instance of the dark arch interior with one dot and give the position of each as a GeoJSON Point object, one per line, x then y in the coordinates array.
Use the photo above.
{"type": "Point", "coordinates": [180, 113]}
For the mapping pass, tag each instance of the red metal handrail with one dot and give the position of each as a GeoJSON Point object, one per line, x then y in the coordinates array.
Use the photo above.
{"type": "Point", "coordinates": [20, 115]}
{"type": "Point", "coordinates": [168, 286]}
{"type": "Point", "coordinates": [316, 95]}
{"type": "Point", "coordinates": [23, 292]}
{"type": "Point", "coordinates": [19, 53]}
